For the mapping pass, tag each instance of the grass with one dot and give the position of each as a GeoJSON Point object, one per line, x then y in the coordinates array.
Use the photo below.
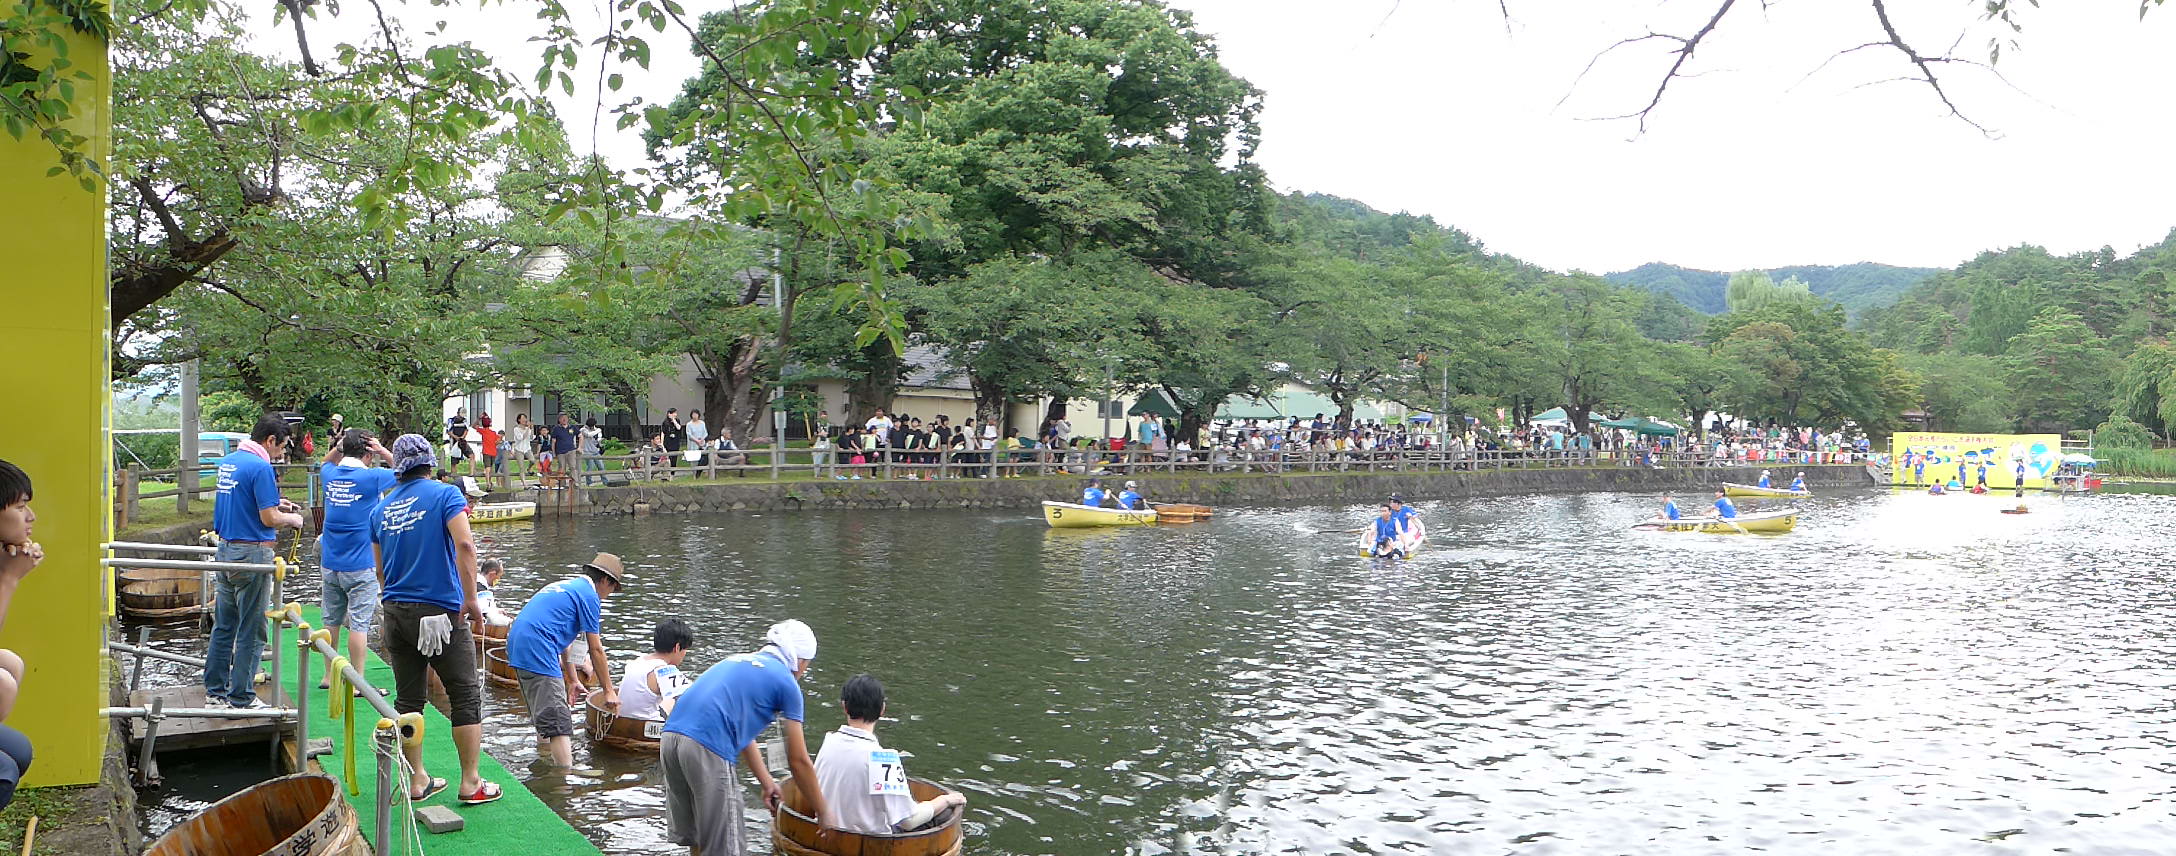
{"type": "Point", "coordinates": [54, 808]}
{"type": "Point", "coordinates": [2147, 463]}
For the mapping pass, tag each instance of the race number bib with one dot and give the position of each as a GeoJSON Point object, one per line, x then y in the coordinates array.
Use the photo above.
{"type": "Point", "coordinates": [887, 777]}
{"type": "Point", "coordinates": [653, 730]}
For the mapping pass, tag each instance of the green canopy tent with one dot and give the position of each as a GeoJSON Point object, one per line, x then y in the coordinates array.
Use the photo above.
{"type": "Point", "coordinates": [1641, 425]}
{"type": "Point", "coordinates": [1154, 401]}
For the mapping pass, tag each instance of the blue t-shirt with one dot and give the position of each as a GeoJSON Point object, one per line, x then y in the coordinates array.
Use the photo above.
{"type": "Point", "coordinates": [1093, 496]}
{"type": "Point", "coordinates": [410, 530]}
{"type": "Point", "coordinates": [1669, 509]}
{"type": "Point", "coordinates": [1764, 480]}
{"type": "Point", "coordinates": [562, 439]}
{"type": "Point", "coordinates": [734, 701]}
{"type": "Point", "coordinates": [550, 621]}
{"type": "Point", "coordinates": [1798, 483]}
{"type": "Point", "coordinates": [1725, 507]}
{"type": "Point", "coordinates": [246, 487]}
{"type": "Point", "coordinates": [351, 501]}
{"type": "Point", "coordinates": [1128, 499]}
{"type": "Point", "coordinates": [1386, 529]}
{"type": "Point", "coordinates": [1401, 514]}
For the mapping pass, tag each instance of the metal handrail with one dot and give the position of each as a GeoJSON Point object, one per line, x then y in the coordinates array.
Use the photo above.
{"type": "Point", "coordinates": [193, 565]}
{"type": "Point", "coordinates": [139, 546]}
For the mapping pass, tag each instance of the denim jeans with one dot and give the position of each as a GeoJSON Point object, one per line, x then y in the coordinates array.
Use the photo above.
{"type": "Point", "coordinates": [230, 667]}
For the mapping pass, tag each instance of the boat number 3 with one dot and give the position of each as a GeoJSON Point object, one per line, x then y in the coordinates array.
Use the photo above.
{"type": "Point", "coordinates": [886, 776]}
{"type": "Point", "coordinates": [1056, 513]}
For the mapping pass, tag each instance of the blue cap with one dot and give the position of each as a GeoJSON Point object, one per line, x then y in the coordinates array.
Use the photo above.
{"type": "Point", "coordinates": [411, 451]}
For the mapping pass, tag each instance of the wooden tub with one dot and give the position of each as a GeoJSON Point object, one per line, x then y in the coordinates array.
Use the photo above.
{"type": "Point", "coordinates": [299, 815]}
{"type": "Point", "coordinates": [498, 670]}
{"type": "Point", "coordinates": [794, 834]}
{"type": "Point", "coordinates": [633, 735]}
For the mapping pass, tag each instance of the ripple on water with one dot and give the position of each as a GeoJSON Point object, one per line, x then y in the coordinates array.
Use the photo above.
{"type": "Point", "coordinates": [1903, 674]}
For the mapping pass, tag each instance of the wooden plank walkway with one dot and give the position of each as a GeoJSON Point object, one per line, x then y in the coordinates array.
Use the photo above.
{"type": "Point", "coordinates": [177, 733]}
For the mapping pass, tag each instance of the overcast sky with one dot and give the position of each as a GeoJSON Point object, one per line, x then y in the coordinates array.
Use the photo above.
{"type": "Point", "coordinates": [1444, 108]}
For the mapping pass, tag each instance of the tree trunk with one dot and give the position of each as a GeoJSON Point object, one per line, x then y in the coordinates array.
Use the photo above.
{"type": "Point", "coordinates": [989, 405]}
{"type": "Point", "coordinates": [877, 386]}
{"type": "Point", "coordinates": [734, 395]}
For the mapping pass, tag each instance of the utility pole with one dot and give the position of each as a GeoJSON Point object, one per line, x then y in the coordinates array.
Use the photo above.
{"type": "Point", "coordinates": [186, 477]}
{"type": "Point", "coordinates": [1110, 379]}
{"type": "Point", "coordinates": [778, 392]}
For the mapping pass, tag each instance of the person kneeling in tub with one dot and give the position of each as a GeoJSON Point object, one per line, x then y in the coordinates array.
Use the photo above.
{"type": "Point", "coordinates": [653, 681]}
{"type": "Point", "coordinates": [866, 782]}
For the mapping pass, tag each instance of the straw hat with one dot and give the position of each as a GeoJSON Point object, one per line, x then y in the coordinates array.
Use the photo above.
{"type": "Point", "coordinates": [609, 565]}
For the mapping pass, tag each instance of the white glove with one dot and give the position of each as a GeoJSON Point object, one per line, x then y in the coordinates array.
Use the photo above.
{"type": "Point", "coordinates": [432, 634]}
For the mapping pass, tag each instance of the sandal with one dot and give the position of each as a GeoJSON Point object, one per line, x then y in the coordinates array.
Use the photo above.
{"type": "Point", "coordinates": [429, 791]}
{"type": "Point", "coordinates": [486, 792]}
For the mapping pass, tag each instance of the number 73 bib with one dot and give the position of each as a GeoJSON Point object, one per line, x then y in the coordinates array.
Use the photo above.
{"type": "Point", "coordinates": [886, 775]}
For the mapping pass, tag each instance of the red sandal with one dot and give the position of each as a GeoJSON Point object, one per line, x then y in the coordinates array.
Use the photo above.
{"type": "Point", "coordinates": [485, 793]}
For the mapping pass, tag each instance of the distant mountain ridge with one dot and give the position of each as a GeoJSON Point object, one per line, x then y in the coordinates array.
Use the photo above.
{"type": "Point", "coordinates": [1857, 287]}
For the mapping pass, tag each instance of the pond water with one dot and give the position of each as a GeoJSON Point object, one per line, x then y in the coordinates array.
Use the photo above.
{"type": "Point", "coordinates": [1902, 674]}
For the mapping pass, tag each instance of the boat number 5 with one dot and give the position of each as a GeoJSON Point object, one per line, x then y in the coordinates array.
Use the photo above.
{"type": "Point", "coordinates": [886, 776]}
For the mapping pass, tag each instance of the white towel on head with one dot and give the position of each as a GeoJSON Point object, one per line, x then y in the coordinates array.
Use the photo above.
{"type": "Point", "coordinates": [432, 634]}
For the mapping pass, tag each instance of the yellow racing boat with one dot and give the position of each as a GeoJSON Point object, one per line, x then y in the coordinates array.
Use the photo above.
{"type": "Point", "coordinates": [1752, 523]}
{"type": "Point", "coordinates": [497, 512]}
{"type": "Point", "coordinates": [1066, 515]}
{"type": "Point", "coordinates": [1763, 492]}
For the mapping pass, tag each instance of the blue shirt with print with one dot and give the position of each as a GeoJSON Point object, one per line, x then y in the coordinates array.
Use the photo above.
{"type": "Point", "coordinates": [351, 501]}
{"type": "Point", "coordinates": [734, 701]}
{"type": "Point", "coordinates": [410, 531]}
{"type": "Point", "coordinates": [550, 621]}
{"type": "Point", "coordinates": [246, 487]}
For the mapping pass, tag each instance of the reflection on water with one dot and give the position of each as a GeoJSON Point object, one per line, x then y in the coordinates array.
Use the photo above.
{"type": "Point", "coordinates": [1903, 674]}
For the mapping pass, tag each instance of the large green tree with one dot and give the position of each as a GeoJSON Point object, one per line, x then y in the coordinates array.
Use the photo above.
{"type": "Point", "coordinates": [2060, 373]}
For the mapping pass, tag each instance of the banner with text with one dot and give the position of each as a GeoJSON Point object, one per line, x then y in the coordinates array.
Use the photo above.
{"type": "Point", "coordinates": [1925, 457]}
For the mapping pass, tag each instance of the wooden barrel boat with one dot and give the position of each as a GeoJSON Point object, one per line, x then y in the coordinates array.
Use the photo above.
{"type": "Point", "coordinates": [298, 815]}
{"type": "Point", "coordinates": [498, 669]}
{"type": "Point", "coordinates": [1759, 522]}
{"type": "Point", "coordinates": [1404, 550]}
{"type": "Point", "coordinates": [1067, 515]}
{"type": "Point", "coordinates": [137, 575]}
{"type": "Point", "coordinates": [487, 635]}
{"type": "Point", "coordinates": [1163, 508]}
{"type": "Point", "coordinates": [1730, 489]}
{"type": "Point", "coordinates": [500, 512]}
{"type": "Point", "coordinates": [794, 834]}
{"type": "Point", "coordinates": [634, 735]}
{"type": "Point", "coordinates": [162, 594]}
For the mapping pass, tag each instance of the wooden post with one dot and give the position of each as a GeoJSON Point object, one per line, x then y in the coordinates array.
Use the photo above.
{"type": "Point", "coordinates": [131, 479]}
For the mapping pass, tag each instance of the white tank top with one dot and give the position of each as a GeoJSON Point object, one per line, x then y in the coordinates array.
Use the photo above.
{"type": "Point", "coordinates": [636, 700]}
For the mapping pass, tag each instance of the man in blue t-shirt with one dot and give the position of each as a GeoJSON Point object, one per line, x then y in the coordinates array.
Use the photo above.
{"type": "Point", "coordinates": [563, 436]}
{"type": "Point", "coordinates": [247, 511]}
{"type": "Point", "coordinates": [427, 559]}
{"type": "Point", "coordinates": [1094, 495]}
{"type": "Point", "coordinates": [350, 564]}
{"type": "Point", "coordinates": [1724, 508]}
{"type": "Point", "coordinates": [536, 646]}
{"type": "Point", "coordinates": [1130, 498]}
{"type": "Point", "coordinates": [716, 721]}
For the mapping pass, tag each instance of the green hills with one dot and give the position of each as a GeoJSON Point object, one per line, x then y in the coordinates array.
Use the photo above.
{"type": "Point", "coordinates": [1857, 287]}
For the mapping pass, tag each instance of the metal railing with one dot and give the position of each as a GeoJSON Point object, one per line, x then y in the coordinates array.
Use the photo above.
{"type": "Point", "coordinates": [393, 729]}
{"type": "Point", "coordinates": [129, 482]}
{"type": "Point", "coordinates": [886, 463]}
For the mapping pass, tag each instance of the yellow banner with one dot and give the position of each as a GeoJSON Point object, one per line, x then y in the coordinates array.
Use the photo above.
{"type": "Point", "coordinates": [1925, 457]}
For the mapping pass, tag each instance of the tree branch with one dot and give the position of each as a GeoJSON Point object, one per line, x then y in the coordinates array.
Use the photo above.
{"type": "Point", "coordinates": [1926, 67]}
{"type": "Point", "coordinates": [1686, 46]}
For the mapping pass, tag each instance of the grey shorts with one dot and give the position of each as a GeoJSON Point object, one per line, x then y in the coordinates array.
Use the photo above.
{"type": "Point", "coordinates": [351, 599]}
{"type": "Point", "coordinates": [703, 805]}
{"type": "Point", "coordinates": [546, 696]}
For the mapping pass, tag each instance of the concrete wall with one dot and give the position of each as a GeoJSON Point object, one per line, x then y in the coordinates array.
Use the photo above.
{"type": "Point", "coordinates": [1204, 489]}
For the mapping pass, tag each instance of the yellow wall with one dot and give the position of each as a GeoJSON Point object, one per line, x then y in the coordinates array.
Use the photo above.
{"type": "Point", "coordinates": [2041, 453]}
{"type": "Point", "coordinates": [53, 288]}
